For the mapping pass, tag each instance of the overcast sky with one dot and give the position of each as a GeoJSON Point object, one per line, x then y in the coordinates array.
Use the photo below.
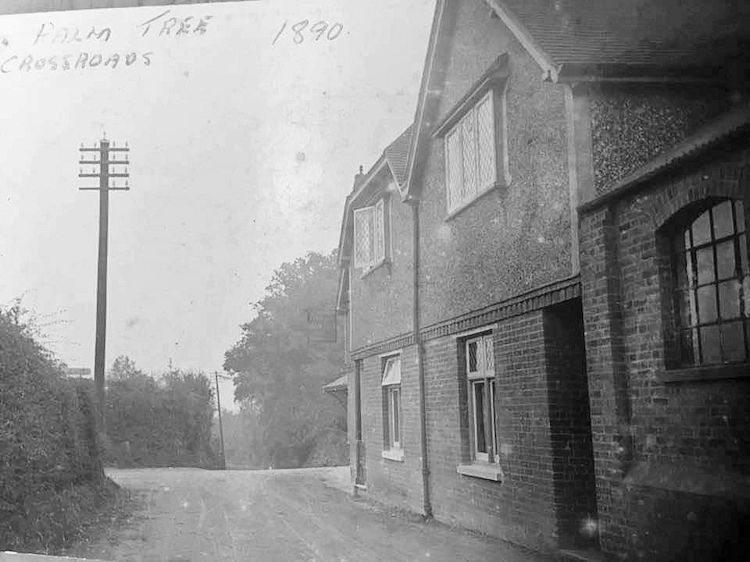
{"type": "Point", "coordinates": [242, 151]}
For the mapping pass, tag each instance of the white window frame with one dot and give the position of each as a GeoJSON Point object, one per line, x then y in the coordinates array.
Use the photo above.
{"type": "Point", "coordinates": [370, 223]}
{"type": "Point", "coordinates": [462, 144]}
{"type": "Point", "coordinates": [483, 373]}
{"type": "Point", "coordinates": [391, 383]}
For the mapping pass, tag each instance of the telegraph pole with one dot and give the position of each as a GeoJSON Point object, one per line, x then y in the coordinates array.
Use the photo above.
{"type": "Point", "coordinates": [99, 156]}
{"type": "Point", "coordinates": [221, 427]}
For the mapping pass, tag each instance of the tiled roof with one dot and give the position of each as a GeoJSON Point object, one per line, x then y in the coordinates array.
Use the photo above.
{"type": "Point", "coordinates": [397, 154]}
{"type": "Point", "coordinates": [731, 124]}
{"type": "Point", "coordinates": [675, 34]}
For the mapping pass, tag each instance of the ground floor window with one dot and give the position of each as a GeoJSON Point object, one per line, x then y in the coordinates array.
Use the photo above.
{"type": "Point", "coordinates": [391, 383]}
{"type": "Point", "coordinates": [480, 376]}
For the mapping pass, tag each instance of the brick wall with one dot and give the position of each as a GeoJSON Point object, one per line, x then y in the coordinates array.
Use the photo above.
{"type": "Point", "coordinates": [397, 483]}
{"type": "Point", "coordinates": [521, 507]}
{"type": "Point", "coordinates": [671, 458]}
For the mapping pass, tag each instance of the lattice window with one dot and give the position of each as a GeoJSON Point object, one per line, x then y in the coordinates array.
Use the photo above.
{"type": "Point", "coordinates": [379, 234]}
{"type": "Point", "coordinates": [470, 154]}
{"type": "Point", "coordinates": [486, 152]}
{"type": "Point", "coordinates": [453, 160]}
{"type": "Point", "coordinates": [363, 236]}
{"type": "Point", "coordinates": [369, 235]}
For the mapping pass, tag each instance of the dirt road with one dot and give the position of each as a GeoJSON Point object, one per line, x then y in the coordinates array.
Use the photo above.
{"type": "Point", "coordinates": [191, 514]}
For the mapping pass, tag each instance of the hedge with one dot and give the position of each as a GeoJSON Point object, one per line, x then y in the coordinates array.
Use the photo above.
{"type": "Point", "coordinates": [48, 437]}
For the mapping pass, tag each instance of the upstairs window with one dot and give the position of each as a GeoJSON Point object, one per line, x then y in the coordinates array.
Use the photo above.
{"type": "Point", "coordinates": [470, 154]}
{"type": "Point", "coordinates": [711, 283]}
{"type": "Point", "coordinates": [480, 375]}
{"type": "Point", "coordinates": [369, 236]}
{"type": "Point", "coordinates": [391, 383]}
{"type": "Point", "coordinates": [475, 139]}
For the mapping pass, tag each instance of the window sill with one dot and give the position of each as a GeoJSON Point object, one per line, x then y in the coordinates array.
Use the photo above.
{"type": "Point", "coordinates": [393, 455]}
{"type": "Point", "coordinates": [498, 185]}
{"type": "Point", "coordinates": [375, 266]}
{"type": "Point", "coordinates": [485, 471]}
{"type": "Point", "coordinates": [708, 373]}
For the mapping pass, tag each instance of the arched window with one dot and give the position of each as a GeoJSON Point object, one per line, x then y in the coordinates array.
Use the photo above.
{"type": "Point", "coordinates": [711, 287]}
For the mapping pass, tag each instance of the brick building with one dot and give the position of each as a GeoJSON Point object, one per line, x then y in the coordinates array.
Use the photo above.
{"type": "Point", "coordinates": [528, 358]}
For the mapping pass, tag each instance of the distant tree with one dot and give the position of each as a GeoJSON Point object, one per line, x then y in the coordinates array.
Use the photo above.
{"type": "Point", "coordinates": [124, 367]}
{"type": "Point", "coordinates": [161, 422]}
{"type": "Point", "coordinates": [279, 370]}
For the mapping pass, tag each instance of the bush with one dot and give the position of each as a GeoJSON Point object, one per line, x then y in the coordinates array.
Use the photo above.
{"type": "Point", "coordinates": [159, 423]}
{"type": "Point", "coordinates": [48, 440]}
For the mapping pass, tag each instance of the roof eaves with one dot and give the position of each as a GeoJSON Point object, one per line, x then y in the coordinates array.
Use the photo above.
{"type": "Point", "coordinates": [342, 290]}
{"type": "Point", "coordinates": [339, 384]}
{"type": "Point", "coordinates": [576, 73]}
{"type": "Point", "coordinates": [729, 124]}
{"type": "Point", "coordinates": [418, 131]}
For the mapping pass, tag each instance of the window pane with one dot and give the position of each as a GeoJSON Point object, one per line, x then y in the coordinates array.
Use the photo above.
{"type": "Point", "coordinates": [710, 347]}
{"type": "Point", "coordinates": [725, 259]}
{"type": "Point", "coordinates": [723, 222]}
{"type": "Point", "coordinates": [471, 350]}
{"type": "Point", "coordinates": [363, 225]}
{"type": "Point", "coordinates": [739, 215]}
{"type": "Point", "coordinates": [707, 304]}
{"type": "Point", "coordinates": [379, 231]}
{"type": "Point", "coordinates": [729, 299]}
{"type": "Point", "coordinates": [486, 142]}
{"type": "Point", "coordinates": [701, 230]}
{"type": "Point", "coordinates": [489, 356]}
{"type": "Point", "coordinates": [479, 417]}
{"type": "Point", "coordinates": [688, 347]}
{"type": "Point", "coordinates": [469, 155]}
{"type": "Point", "coordinates": [453, 163]}
{"type": "Point", "coordinates": [733, 341]}
{"type": "Point", "coordinates": [705, 258]}
{"type": "Point", "coordinates": [744, 266]}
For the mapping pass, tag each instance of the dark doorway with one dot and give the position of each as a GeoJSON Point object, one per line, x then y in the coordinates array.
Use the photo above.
{"type": "Point", "coordinates": [570, 425]}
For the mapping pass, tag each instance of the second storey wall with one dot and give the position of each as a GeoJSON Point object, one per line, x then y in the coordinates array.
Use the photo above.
{"type": "Point", "coordinates": [381, 300]}
{"type": "Point", "coordinates": [505, 242]}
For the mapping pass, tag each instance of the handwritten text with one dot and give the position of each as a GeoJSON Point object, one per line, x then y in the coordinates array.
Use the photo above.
{"type": "Point", "coordinates": [174, 26]}
{"type": "Point", "coordinates": [80, 61]}
{"type": "Point", "coordinates": [302, 30]}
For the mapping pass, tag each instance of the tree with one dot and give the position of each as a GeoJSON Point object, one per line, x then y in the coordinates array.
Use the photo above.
{"type": "Point", "coordinates": [279, 373]}
{"type": "Point", "coordinates": [161, 422]}
{"type": "Point", "coordinates": [124, 367]}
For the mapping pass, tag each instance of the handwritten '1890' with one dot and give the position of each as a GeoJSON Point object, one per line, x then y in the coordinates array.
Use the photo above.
{"type": "Point", "coordinates": [302, 30]}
